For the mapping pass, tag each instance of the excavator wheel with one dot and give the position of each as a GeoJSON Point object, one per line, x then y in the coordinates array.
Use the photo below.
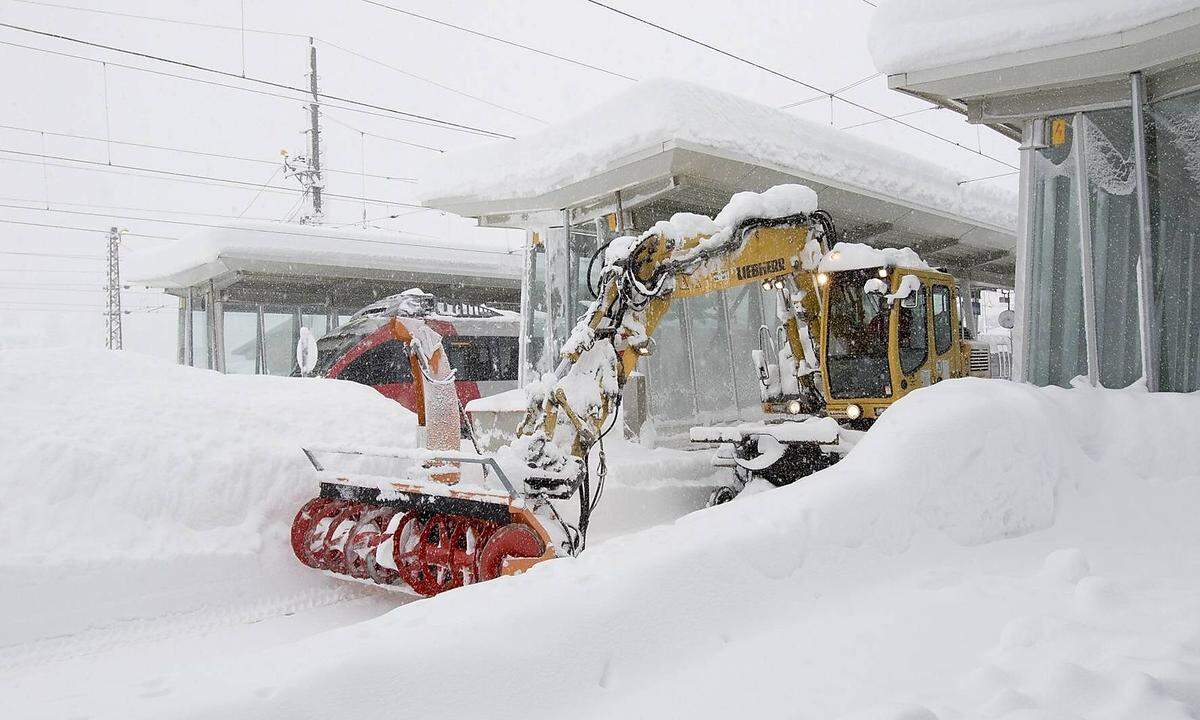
{"type": "Point", "coordinates": [721, 495]}
{"type": "Point", "coordinates": [364, 539]}
{"type": "Point", "coordinates": [302, 525]}
{"type": "Point", "coordinates": [511, 540]}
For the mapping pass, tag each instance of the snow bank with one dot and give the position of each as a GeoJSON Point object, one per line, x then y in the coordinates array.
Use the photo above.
{"type": "Point", "coordinates": [133, 489]}
{"type": "Point", "coordinates": [186, 260]}
{"type": "Point", "coordinates": [908, 35]}
{"type": "Point", "coordinates": [989, 549]}
{"type": "Point", "coordinates": [658, 111]}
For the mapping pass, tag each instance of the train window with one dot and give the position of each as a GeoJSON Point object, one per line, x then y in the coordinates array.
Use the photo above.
{"type": "Point", "coordinates": [384, 364]}
{"type": "Point", "coordinates": [482, 358]}
{"type": "Point", "coordinates": [508, 355]}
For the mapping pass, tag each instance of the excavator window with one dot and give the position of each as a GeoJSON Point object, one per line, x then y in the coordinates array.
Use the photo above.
{"type": "Point", "coordinates": [913, 335]}
{"type": "Point", "coordinates": [857, 337]}
{"type": "Point", "coordinates": [942, 329]}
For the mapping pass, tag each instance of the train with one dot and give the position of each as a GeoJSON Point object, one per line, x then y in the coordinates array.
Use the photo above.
{"type": "Point", "coordinates": [480, 341]}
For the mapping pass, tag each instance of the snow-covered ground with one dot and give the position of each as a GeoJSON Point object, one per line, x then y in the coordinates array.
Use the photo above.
{"type": "Point", "coordinates": [145, 515]}
{"type": "Point", "coordinates": [989, 550]}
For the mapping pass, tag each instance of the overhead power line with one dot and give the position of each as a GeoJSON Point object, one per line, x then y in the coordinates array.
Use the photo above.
{"type": "Point", "coordinates": [187, 175]}
{"type": "Point", "coordinates": [253, 91]}
{"type": "Point", "coordinates": [54, 255]}
{"type": "Point", "coordinates": [237, 29]}
{"type": "Point", "coordinates": [446, 124]}
{"type": "Point", "coordinates": [245, 229]}
{"type": "Point", "coordinates": [72, 227]}
{"type": "Point", "coordinates": [510, 43]}
{"type": "Point", "coordinates": [202, 153]}
{"type": "Point", "coordinates": [793, 79]}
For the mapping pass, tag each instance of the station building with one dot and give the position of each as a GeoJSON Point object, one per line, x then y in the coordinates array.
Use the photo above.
{"type": "Point", "coordinates": [246, 288]}
{"type": "Point", "coordinates": [665, 147]}
{"type": "Point", "coordinates": [1105, 101]}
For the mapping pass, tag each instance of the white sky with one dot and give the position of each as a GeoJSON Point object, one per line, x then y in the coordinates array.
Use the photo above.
{"type": "Point", "coordinates": [820, 41]}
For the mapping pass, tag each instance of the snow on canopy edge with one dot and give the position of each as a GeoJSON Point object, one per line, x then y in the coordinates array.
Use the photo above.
{"type": "Point", "coordinates": [912, 35]}
{"type": "Point", "coordinates": [657, 111]}
{"type": "Point", "coordinates": [856, 256]}
{"type": "Point", "coordinates": [198, 256]}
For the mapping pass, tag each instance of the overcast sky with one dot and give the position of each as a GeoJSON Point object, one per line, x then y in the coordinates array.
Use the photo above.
{"type": "Point", "coordinates": [514, 91]}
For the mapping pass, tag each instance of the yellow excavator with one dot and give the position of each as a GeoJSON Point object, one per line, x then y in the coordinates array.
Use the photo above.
{"type": "Point", "coordinates": [859, 329]}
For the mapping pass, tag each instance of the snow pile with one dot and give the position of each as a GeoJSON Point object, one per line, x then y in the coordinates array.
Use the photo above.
{"type": "Point", "coordinates": [988, 550]}
{"type": "Point", "coordinates": [856, 256]}
{"type": "Point", "coordinates": [685, 225]}
{"type": "Point", "coordinates": [659, 111]}
{"type": "Point", "coordinates": [775, 202]}
{"type": "Point", "coordinates": [199, 256]}
{"type": "Point", "coordinates": [909, 35]}
{"type": "Point", "coordinates": [133, 488]}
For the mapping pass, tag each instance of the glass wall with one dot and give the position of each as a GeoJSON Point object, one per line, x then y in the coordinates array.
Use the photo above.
{"type": "Point", "coordinates": [241, 339]}
{"type": "Point", "coordinates": [1173, 149]}
{"type": "Point", "coordinates": [1057, 350]}
{"type": "Point", "coordinates": [1103, 175]}
{"type": "Point", "coordinates": [711, 357]}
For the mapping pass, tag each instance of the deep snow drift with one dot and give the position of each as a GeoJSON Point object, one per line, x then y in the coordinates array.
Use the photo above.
{"type": "Point", "coordinates": [134, 489]}
{"type": "Point", "coordinates": [989, 550]}
{"type": "Point", "coordinates": [145, 509]}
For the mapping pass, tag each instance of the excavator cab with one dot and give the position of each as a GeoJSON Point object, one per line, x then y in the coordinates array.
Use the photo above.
{"type": "Point", "coordinates": [886, 331]}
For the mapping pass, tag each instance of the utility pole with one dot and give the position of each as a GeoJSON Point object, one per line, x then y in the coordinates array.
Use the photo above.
{"type": "Point", "coordinates": [112, 310]}
{"type": "Point", "coordinates": [314, 111]}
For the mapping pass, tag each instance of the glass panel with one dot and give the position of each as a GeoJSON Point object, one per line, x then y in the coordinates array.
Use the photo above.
{"type": "Point", "coordinates": [669, 378]}
{"type": "Point", "coordinates": [535, 311]}
{"type": "Point", "coordinates": [942, 328]}
{"type": "Point", "coordinates": [315, 322]}
{"type": "Point", "coordinates": [1113, 210]}
{"type": "Point", "coordinates": [1173, 147]}
{"type": "Point", "coordinates": [1057, 346]}
{"type": "Point", "coordinates": [912, 332]}
{"type": "Point", "coordinates": [199, 337]}
{"type": "Point", "coordinates": [241, 341]}
{"type": "Point", "coordinates": [280, 345]}
{"type": "Point", "coordinates": [745, 316]}
{"type": "Point", "coordinates": [710, 352]}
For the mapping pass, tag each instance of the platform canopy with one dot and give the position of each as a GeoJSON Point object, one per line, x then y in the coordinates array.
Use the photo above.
{"type": "Point", "coordinates": [1002, 63]}
{"type": "Point", "coordinates": [257, 254]}
{"type": "Point", "coordinates": [667, 146]}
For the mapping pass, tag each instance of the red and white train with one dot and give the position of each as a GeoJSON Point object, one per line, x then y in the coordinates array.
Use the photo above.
{"type": "Point", "coordinates": [480, 342]}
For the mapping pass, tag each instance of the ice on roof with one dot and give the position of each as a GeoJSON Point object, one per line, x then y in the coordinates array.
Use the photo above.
{"type": "Point", "coordinates": [182, 261]}
{"type": "Point", "coordinates": [658, 111]}
{"type": "Point", "coordinates": [910, 35]}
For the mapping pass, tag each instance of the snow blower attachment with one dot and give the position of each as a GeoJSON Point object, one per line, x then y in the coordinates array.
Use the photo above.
{"type": "Point", "coordinates": [429, 531]}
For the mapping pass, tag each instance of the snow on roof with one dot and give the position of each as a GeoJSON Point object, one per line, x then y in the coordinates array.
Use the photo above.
{"type": "Point", "coordinates": [655, 112]}
{"type": "Point", "coordinates": [910, 35]}
{"type": "Point", "coordinates": [200, 256]}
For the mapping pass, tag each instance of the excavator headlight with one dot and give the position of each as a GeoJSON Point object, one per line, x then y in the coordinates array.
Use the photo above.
{"type": "Point", "coordinates": [853, 411]}
{"type": "Point", "coordinates": [822, 279]}
{"type": "Point", "coordinates": [882, 272]}
{"type": "Point", "coordinates": [793, 407]}
{"type": "Point", "coordinates": [766, 285]}
{"type": "Point", "coordinates": [779, 284]}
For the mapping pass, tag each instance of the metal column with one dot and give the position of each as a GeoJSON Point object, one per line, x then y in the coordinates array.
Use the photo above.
{"type": "Point", "coordinates": [189, 354]}
{"type": "Point", "coordinates": [1020, 336]}
{"type": "Point", "coordinates": [1145, 270]}
{"type": "Point", "coordinates": [1082, 197]}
